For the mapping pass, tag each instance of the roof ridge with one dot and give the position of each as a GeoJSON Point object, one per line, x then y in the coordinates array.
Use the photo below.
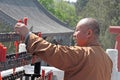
{"type": "Point", "coordinates": [39, 17]}
{"type": "Point", "coordinates": [7, 16]}
{"type": "Point", "coordinates": [48, 13]}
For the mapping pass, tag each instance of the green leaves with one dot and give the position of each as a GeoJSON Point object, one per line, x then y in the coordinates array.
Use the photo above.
{"type": "Point", "coordinates": [62, 10]}
{"type": "Point", "coordinates": [107, 12]}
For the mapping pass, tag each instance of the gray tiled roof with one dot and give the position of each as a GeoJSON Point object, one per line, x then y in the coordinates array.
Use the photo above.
{"type": "Point", "coordinates": [38, 17]}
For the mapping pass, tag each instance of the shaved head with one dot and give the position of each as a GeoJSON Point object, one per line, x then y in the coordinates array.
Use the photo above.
{"type": "Point", "coordinates": [90, 23]}
{"type": "Point", "coordinates": [87, 31]}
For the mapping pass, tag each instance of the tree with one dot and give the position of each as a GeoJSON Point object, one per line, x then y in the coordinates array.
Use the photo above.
{"type": "Point", "coordinates": [65, 12]}
{"type": "Point", "coordinates": [107, 12]}
{"type": "Point", "coordinates": [114, 11]}
{"type": "Point", "coordinates": [48, 4]}
{"type": "Point", "coordinates": [62, 10]}
{"type": "Point", "coordinates": [80, 4]}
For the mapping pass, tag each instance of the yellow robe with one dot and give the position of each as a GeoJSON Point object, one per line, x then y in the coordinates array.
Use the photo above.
{"type": "Point", "coordinates": [79, 63]}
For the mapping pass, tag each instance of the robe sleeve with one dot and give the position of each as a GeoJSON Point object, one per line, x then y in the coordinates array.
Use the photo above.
{"type": "Point", "coordinates": [62, 57]}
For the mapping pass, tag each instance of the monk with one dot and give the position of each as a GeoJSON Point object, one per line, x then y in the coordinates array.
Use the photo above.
{"type": "Point", "coordinates": [87, 60]}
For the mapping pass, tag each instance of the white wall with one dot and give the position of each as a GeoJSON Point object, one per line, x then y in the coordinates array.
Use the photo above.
{"type": "Point", "coordinates": [113, 54]}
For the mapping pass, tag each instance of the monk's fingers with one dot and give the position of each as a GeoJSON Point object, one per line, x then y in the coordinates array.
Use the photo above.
{"type": "Point", "coordinates": [19, 25]}
{"type": "Point", "coordinates": [16, 29]}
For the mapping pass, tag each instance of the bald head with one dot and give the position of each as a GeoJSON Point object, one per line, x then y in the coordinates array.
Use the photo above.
{"type": "Point", "coordinates": [90, 23]}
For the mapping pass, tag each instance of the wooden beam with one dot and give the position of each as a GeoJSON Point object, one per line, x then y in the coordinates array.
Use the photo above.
{"type": "Point", "coordinates": [114, 29]}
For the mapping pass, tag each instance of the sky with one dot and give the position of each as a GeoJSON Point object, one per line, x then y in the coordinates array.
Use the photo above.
{"type": "Point", "coordinates": [71, 0]}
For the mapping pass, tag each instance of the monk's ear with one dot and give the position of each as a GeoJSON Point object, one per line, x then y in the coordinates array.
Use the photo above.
{"type": "Point", "coordinates": [89, 33]}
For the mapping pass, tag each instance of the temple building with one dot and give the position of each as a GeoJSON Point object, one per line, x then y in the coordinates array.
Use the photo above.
{"type": "Point", "coordinates": [39, 20]}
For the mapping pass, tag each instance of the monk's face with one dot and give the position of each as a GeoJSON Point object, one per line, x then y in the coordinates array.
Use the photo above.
{"type": "Point", "coordinates": [80, 35]}
{"type": "Point", "coordinates": [83, 34]}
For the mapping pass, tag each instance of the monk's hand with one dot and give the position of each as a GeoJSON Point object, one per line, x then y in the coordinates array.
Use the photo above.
{"type": "Point", "coordinates": [21, 29]}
